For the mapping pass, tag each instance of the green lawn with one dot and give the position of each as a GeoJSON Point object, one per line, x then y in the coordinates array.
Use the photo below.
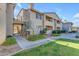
{"type": "Point", "coordinates": [60, 47]}
{"type": "Point", "coordinates": [9, 41]}
{"type": "Point", "coordinates": [36, 37]}
{"type": "Point", "coordinates": [55, 34]}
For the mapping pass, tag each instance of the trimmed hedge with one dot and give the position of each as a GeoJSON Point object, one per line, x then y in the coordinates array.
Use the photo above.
{"type": "Point", "coordinates": [63, 31]}
{"type": "Point", "coordinates": [58, 31]}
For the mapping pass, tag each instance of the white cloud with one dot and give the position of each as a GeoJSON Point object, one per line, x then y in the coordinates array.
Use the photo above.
{"type": "Point", "coordinates": [76, 16]}
{"type": "Point", "coordinates": [19, 5]}
{"type": "Point", "coordinates": [75, 19]}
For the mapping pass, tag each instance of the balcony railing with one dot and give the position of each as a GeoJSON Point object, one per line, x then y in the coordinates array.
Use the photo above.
{"type": "Point", "coordinates": [49, 23]}
{"type": "Point", "coordinates": [18, 22]}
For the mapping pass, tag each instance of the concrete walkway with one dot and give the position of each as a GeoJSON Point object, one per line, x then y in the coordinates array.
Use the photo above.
{"type": "Point", "coordinates": [23, 43]}
{"type": "Point", "coordinates": [68, 36]}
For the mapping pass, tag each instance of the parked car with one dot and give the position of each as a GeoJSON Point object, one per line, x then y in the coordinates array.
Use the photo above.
{"type": "Point", "coordinates": [77, 36]}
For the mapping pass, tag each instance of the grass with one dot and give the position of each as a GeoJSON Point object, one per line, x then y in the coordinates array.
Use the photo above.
{"type": "Point", "coordinates": [36, 37]}
{"type": "Point", "coordinates": [9, 41]}
{"type": "Point", "coordinates": [55, 34]}
{"type": "Point", "coordinates": [60, 47]}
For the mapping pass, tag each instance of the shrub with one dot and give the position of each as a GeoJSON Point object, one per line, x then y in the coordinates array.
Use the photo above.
{"type": "Point", "coordinates": [9, 36]}
{"type": "Point", "coordinates": [9, 41]}
{"type": "Point", "coordinates": [43, 31]}
{"type": "Point", "coordinates": [56, 32]}
{"type": "Point", "coordinates": [63, 31]}
{"type": "Point", "coordinates": [36, 37]}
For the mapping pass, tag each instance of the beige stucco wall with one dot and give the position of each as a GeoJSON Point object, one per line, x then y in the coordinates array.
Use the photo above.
{"type": "Point", "coordinates": [29, 17]}
{"type": "Point", "coordinates": [2, 23]}
{"type": "Point", "coordinates": [44, 21]}
{"type": "Point", "coordinates": [9, 17]}
{"type": "Point", "coordinates": [6, 18]}
{"type": "Point", "coordinates": [36, 24]}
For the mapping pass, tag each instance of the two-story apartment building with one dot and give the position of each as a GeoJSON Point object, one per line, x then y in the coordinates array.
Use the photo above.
{"type": "Point", "coordinates": [56, 21]}
{"type": "Point", "coordinates": [6, 20]}
{"type": "Point", "coordinates": [31, 21]}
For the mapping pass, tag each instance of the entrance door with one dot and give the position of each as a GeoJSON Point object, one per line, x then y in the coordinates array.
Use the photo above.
{"type": "Point", "coordinates": [17, 29]}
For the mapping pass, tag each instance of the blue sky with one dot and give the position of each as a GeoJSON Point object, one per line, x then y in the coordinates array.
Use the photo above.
{"type": "Point", "coordinates": [66, 11]}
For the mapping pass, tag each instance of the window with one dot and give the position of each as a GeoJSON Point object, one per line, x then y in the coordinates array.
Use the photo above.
{"type": "Point", "coordinates": [38, 16]}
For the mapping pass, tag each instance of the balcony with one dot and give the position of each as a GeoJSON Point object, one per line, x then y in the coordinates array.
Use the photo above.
{"type": "Point", "coordinates": [48, 18]}
{"type": "Point", "coordinates": [17, 22]}
{"type": "Point", "coordinates": [58, 24]}
{"type": "Point", "coordinates": [48, 23]}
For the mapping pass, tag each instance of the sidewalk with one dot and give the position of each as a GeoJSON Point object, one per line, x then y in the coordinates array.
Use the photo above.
{"type": "Point", "coordinates": [24, 43]}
